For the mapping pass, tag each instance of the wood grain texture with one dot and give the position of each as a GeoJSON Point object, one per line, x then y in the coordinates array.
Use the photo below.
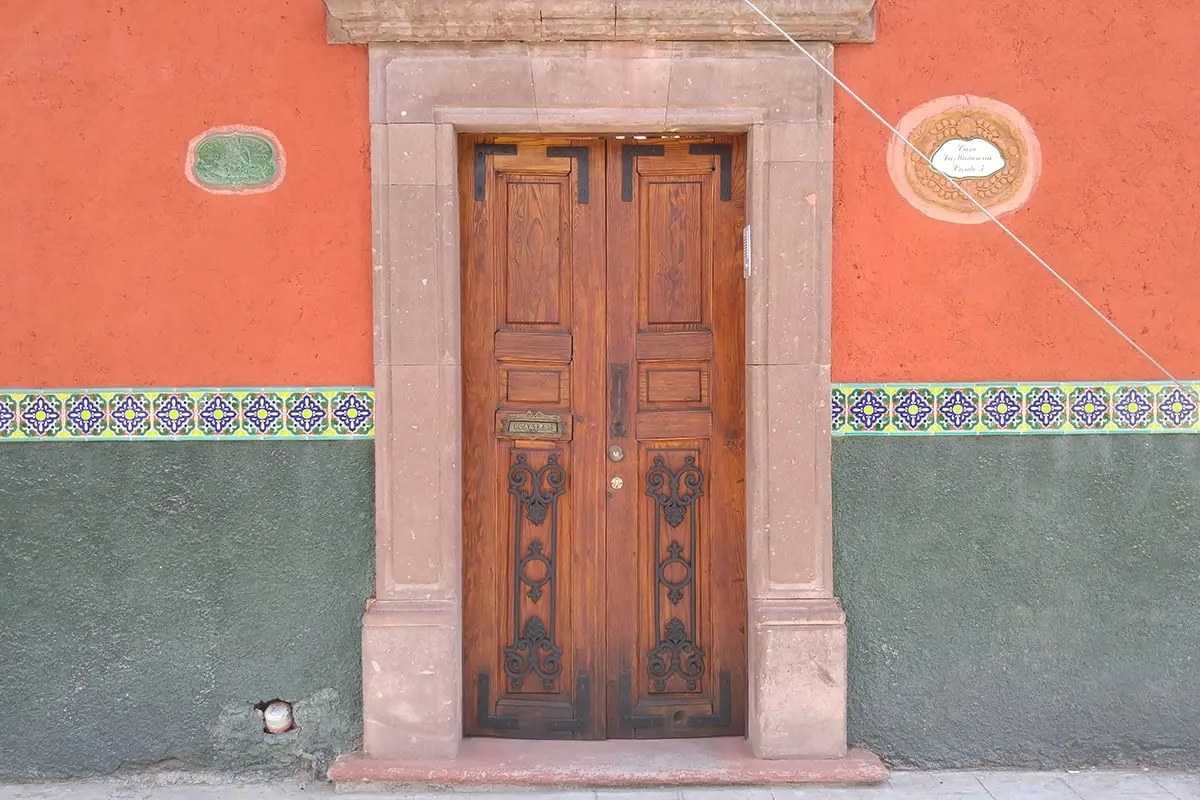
{"type": "Point", "coordinates": [673, 258]}
{"type": "Point", "coordinates": [532, 603]}
{"type": "Point", "coordinates": [674, 345]}
{"type": "Point", "coordinates": [676, 385]}
{"type": "Point", "coordinates": [532, 346]}
{"type": "Point", "coordinates": [534, 385]}
{"type": "Point", "coordinates": [672, 271]}
{"type": "Point", "coordinates": [560, 299]}
{"type": "Point", "coordinates": [534, 287]}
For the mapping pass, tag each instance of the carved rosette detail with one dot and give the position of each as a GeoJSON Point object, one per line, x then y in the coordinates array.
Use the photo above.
{"type": "Point", "coordinates": [967, 123]}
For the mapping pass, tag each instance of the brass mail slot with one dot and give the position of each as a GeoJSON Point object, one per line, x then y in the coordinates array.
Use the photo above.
{"type": "Point", "coordinates": [534, 425]}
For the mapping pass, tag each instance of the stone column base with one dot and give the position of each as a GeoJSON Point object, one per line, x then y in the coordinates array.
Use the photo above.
{"type": "Point", "coordinates": [412, 697]}
{"type": "Point", "coordinates": [797, 679]}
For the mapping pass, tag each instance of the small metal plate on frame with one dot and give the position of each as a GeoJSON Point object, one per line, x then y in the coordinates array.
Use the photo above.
{"type": "Point", "coordinates": [534, 425]}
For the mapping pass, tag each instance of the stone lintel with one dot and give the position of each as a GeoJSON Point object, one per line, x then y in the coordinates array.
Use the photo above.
{"type": "Point", "coordinates": [368, 21]}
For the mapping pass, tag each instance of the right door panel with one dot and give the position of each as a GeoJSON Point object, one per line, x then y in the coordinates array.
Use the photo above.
{"type": "Point", "coordinates": [676, 644]}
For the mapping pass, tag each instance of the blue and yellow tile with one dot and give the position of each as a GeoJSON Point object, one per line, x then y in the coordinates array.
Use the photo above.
{"type": "Point", "coordinates": [307, 413]}
{"type": "Point", "coordinates": [837, 405]}
{"type": "Point", "coordinates": [86, 414]}
{"type": "Point", "coordinates": [8, 415]}
{"type": "Point", "coordinates": [867, 410]}
{"type": "Point", "coordinates": [1001, 408]}
{"type": "Point", "coordinates": [217, 413]}
{"type": "Point", "coordinates": [262, 413]}
{"type": "Point", "coordinates": [913, 409]}
{"type": "Point", "coordinates": [1133, 407]}
{"type": "Point", "coordinates": [958, 409]}
{"type": "Point", "coordinates": [349, 413]}
{"type": "Point", "coordinates": [1045, 407]}
{"type": "Point", "coordinates": [40, 415]}
{"type": "Point", "coordinates": [1176, 407]}
{"type": "Point", "coordinates": [353, 413]}
{"type": "Point", "coordinates": [174, 414]}
{"type": "Point", "coordinates": [130, 413]}
{"type": "Point", "coordinates": [1089, 408]}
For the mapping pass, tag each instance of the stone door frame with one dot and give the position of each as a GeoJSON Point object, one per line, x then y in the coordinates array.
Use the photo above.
{"type": "Point", "coordinates": [421, 97]}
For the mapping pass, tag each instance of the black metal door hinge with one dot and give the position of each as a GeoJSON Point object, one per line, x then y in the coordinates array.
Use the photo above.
{"type": "Point", "coordinates": [482, 151]}
{"type": "Point", "coordinates": [483, 703]}
{"type": "Point", "coordinates": [724, 716]}
{"type": "Point", "coordinates": [724, 152]}
{"type": "Point", "coordinates": [628, 153]}
{"type": "Point", "coordinates": [580, 154]}
{"type": "Point", "coordinates": [628, 720]}
{"type": "Point", "coordinates": [582, 708]}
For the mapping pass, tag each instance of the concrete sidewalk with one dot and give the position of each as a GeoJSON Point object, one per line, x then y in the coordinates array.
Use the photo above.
{"type": "Point", "coordinates": [1100, 785]}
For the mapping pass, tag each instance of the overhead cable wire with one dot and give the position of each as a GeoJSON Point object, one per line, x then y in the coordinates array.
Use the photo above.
{"type": "Point", "coordinates": [1020, 242]}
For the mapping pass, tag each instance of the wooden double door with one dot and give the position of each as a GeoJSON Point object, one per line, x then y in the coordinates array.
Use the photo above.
{"type": "Point", "coordinates": [604, 436]}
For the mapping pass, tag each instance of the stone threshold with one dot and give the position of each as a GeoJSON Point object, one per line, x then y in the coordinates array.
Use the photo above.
{"type": "Point", "coordinates": [518, 763]}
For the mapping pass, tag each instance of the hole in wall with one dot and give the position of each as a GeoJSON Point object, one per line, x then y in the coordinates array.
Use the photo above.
{"type": "Point", "coordinates": [277, 715]}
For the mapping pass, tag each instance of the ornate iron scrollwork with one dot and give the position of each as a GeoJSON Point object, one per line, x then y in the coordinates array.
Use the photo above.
{"type": "Point", "coordinates": [534, 649]}
{"type": "Point", "coordinates": [534, 555]}
{"type": "Point", "coordinates": [675, 558]}
{"type": "Point", "coordinates": [675, 493]}
{"type": "Point", "coordinates": [665, 487]}
{"type": "Point", "coordinates": [675, 654]}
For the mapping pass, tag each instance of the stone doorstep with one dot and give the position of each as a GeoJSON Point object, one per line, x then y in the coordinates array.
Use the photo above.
{"type": "Point", "coordinates": [645, 763]}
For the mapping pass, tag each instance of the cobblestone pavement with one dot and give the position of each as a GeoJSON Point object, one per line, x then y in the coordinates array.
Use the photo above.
{"type": "Point", "coordinates": [1145, 785]}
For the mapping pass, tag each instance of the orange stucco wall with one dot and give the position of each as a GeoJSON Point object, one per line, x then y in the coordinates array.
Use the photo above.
{"type": "Point", "coordinates": [1109, 87]}
{"type": "Point", "coordinates": [119, 272]}
{"type": "Point", "coordinates": [116, 271]}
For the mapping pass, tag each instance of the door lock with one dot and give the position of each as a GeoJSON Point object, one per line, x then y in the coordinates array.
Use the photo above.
{"type": "Point", "coordinates": [616, 482]}
{"type": "Point", "coordinates": [616, 453]}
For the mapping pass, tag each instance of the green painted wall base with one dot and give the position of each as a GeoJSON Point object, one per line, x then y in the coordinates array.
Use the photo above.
{"type": "Point", "coordinates": [1021, 602]}
{"type": "Point", "coordinates": [1012, 601]}
{"type": "Point", "coordinates": [150, 595]}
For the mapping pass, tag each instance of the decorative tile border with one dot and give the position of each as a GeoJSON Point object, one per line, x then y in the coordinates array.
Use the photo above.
{"type": "Point", "coordinates": [896, 409]}
{"type": "Point", "coordinates": [1014, 408]}
{"type": "Point", "coordinates": [109, 414]}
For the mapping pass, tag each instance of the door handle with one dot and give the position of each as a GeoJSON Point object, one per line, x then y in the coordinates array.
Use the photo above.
{"type": "Point", "coordinates": [618, 377]}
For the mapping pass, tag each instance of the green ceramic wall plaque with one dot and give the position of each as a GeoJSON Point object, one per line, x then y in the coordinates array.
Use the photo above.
{"type": "Point", "coordinates": [235, 160]}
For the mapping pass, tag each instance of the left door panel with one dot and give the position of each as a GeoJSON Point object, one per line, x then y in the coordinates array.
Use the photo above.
{"type": "Point", "coordinates": [533, 309]}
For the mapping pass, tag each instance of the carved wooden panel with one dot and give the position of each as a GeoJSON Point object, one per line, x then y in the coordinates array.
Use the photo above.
{"type": "Point", "coordinates": [674, 280]}
{"type": "Point", "coordinates": [536, 290]}
{"type": "Point", "coordinates": [676, 546]}
{"type": "Point", "coordinates": [534, 385]}
{"type": "Point", "coordinates": [532, 488]}
{"type": "Point", "coordinates": [603, 428]}
{"type": "Point", "coordinates": [677, 385]}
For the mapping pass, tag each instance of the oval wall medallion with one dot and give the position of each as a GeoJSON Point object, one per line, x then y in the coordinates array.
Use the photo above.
{"type": "Point", "coordinates": [984, 145]}
{"type": "Point", "coordinates": [235, 159]}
